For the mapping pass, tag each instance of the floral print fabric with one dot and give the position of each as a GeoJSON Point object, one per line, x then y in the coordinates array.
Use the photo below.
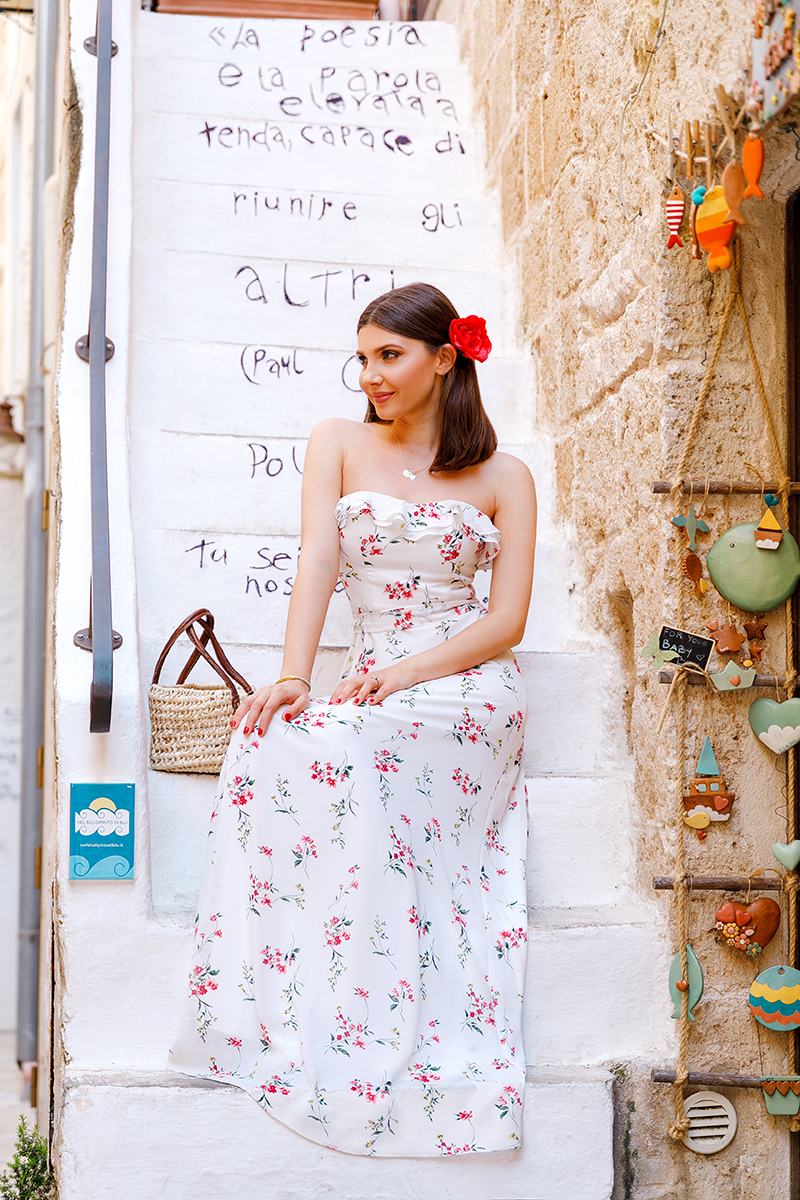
{"type": "Point", "coordinates": [360, 942]}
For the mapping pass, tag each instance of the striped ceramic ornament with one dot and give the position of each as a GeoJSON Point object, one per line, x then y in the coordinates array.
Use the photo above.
{"type": "Point", "coordinates": [676, 204]}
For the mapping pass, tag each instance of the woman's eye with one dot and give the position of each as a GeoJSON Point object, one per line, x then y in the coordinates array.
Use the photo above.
{"type": "Point", "coordinates": [390, 354]}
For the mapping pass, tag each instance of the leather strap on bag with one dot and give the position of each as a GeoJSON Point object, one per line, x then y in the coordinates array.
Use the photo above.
{"type": "Point", "coordinates": [200, 642]}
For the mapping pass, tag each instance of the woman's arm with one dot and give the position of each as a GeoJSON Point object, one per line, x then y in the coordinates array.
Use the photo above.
{"type": "Point", "coordinates": [503, 625]}
{"type": "Point", "coordinates": [317, 573]}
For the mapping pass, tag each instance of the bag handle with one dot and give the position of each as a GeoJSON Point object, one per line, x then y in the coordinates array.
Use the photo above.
{"type": "Point", "coordinates": [225, 671]}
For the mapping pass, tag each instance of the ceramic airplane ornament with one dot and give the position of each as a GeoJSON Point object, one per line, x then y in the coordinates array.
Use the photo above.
{"type": "Point", "coordinates": [769, 533]}
{"type": "Point", "coordinates": [734, 678]}
{"type": "Point", "coordinates": [691, 525]}
{"type": "Point", "coordinates": [693, 985]}
{"type": "Point", "coordinates": [753, 162]}
{"type": "Point", "coordinates": [734, 185]}
{"type": "Point", "coordinates": [708, 799]}
{"type": "Point", "coordinates": [676, 205]}
{"type": "Point", "coordinates": [750, 579]}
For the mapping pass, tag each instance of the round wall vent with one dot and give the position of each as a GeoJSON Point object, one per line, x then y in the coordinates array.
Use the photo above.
{"type": "Point", "coordinates": [713, 1122]}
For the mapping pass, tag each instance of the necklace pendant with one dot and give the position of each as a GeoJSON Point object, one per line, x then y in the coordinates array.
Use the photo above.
{"type": "Point", "coordinates": [409, 474]}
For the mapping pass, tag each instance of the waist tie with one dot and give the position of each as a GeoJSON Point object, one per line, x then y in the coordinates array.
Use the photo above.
{"type": "Point", "coordinates": [413, 616]}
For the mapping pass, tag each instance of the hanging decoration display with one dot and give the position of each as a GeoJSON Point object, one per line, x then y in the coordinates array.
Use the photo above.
{"type": "Point", "coordinates": [750, 579]}
{"type": "Point", "coordinates": [679, 984]}
{"type": "Point", "coordinates": [708, 799]}
{"type": "Point", "coordinates": [787, 856]}
{"type": "Point", "coordinates": [774, 79]}
{"type": "Point", "coordinates": [776, 724]}
{"type": "Point", "coordinates": [749, 929]}
{"type": "Point", "coordinates": [775, 998]}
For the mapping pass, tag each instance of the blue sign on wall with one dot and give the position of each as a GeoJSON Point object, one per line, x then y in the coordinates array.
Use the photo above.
{"type": "Point", "coordinates": [101, 830]}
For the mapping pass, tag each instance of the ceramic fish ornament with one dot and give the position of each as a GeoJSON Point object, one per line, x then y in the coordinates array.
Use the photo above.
{"type": "Point", "coordinates": [734, 185]}
{"type": "Point", "coordinates": [753, 162]}
{"type": "Point", "coordinates": [678, 986]}
{"type": "Point", "coordinates": [676, 205]}
{"type": "Point", "coordinates": [749, 578]}
{"type": "Point", "coordinates": [714, 230]}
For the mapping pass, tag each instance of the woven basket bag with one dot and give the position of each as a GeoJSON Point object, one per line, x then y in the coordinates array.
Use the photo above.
{"type": "Point", "coordinates": [190, 724]}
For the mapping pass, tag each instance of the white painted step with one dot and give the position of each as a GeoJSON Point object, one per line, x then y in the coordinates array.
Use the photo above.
{"type": "Point", "coordinates": [185, 1140]}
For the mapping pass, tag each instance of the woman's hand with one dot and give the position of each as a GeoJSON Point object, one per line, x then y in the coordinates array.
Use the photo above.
{"type": "Point", "coordinates": [258, 710]}
{"type": "Point", "coordinates": [362, 688]}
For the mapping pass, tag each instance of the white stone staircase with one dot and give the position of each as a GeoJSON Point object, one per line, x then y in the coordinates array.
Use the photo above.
{"type": "Point", "coordinates": [240, 328]}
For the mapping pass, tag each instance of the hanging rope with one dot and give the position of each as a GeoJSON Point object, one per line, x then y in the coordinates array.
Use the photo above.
{"type": "Point", "coordinates": [681, 1123]}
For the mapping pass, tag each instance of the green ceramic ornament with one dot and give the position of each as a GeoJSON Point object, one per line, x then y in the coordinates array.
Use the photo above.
{"type": "Point", "coordinates": [748, 577]}
{"type": "Point", "coordinates": [734, 678]}
{"type": "Point", "coordinates": [776, 725]}
{"type": "Point", "coordinates": [787, 855]}
{"type": "Point", "coordinates": [695, 988]}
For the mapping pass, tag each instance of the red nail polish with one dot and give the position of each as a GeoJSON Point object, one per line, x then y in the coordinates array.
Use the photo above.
{"type": "Point", "coordinates": [246, 730]}
{"type": "Point", "coordinates": [233, 724]}
{"type": "Point", "coordinates": [261, 733]}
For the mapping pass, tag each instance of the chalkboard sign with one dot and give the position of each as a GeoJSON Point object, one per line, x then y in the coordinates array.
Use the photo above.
{"type": "Point", "coordinates": [689, 647]}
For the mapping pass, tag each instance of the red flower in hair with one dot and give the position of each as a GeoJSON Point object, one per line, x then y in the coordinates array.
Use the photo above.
{"type": "Point", "coordinates": [468, 334]}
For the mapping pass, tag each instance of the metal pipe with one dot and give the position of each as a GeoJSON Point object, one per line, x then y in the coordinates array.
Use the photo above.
{"type": "Point", "coordinates": [35, 591]}
{"type": "Point", "coordinates": [102, 634]}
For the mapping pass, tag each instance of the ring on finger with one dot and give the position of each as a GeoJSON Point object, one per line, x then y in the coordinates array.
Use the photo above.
{"type": "Point", "coordinates": [377, 683]}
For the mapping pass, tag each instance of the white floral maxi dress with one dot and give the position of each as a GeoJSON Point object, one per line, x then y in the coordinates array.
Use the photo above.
{"type": "Point", "coordinates": [360, 943]}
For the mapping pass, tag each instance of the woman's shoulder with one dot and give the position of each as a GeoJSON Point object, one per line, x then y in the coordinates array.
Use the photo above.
{"type": "Point", "coordinates": [506, 473]}
{"type": "Point", "coordinates": [341, 431]}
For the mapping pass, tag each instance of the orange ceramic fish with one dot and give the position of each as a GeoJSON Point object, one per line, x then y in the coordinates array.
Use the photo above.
{"type": "Point", "coordinates": [714, 231]}
{"type": "Point", "coordinates": [733, 185]}
{"type": "Point", "coordinates": [753, 162]}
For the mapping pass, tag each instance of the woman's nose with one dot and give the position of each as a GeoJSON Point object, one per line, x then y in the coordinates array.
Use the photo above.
{"type": "Point", "coordinates": [370, 373]}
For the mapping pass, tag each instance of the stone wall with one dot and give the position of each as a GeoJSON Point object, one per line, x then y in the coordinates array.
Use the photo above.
{"type": "Point", "coordinates": [619, 332]}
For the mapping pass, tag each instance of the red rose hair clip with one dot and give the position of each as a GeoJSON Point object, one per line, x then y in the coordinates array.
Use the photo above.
{"type": "Point", "coordinates": [469, 336]}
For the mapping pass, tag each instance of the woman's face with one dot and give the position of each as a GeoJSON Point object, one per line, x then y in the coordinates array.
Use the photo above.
{"type": "Point", "coordinates": [399, 374]}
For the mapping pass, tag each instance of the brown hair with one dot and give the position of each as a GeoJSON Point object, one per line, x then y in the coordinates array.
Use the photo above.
{"type": "Point", "coordinates": [420, 311]}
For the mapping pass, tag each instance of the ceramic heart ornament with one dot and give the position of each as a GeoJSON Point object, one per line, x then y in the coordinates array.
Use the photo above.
{"type": "Point", "coordinates": [787, 856]}
{"type": "Point", "coordinates": [749, 929]}
{"type": "Point", "coordinates": [776, 725]}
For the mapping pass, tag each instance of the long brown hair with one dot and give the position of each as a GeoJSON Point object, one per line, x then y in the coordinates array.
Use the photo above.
{"type": "Point", "coordinates": [420, 311]}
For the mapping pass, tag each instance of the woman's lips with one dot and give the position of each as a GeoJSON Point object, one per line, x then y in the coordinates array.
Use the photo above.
{"type": "Point", "coordinates": [379, 397]}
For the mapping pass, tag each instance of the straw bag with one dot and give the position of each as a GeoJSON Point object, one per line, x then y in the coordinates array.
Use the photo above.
{"type": "Point", "coordinates": [191, 723]}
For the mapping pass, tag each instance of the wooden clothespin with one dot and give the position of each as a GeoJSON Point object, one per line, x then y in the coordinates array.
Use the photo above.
{"type": "Point", "coordinates": [687, 137]}
{"type": "Point", "coordinates": [708, 135]}
{"type": "Point", "coordinates": [725, 114]}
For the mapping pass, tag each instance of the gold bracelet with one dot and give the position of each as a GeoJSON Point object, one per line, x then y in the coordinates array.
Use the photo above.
{"type": "Point", "coordinates": [299, 678]}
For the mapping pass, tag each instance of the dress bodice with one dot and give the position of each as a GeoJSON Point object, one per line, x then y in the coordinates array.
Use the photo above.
{"type": "Point", "coordinates": [404, 563]}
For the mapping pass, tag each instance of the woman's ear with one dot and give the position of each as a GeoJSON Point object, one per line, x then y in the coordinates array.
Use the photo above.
{"type": "Point", "coordinates": [445, 359]}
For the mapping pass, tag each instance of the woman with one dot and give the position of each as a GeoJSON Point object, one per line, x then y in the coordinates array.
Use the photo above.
{"type": "Point", "coordinates": [360, 944]}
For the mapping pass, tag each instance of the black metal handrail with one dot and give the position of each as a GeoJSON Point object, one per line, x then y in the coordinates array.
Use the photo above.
{"type": "Point", "coordinates": [97, 349]}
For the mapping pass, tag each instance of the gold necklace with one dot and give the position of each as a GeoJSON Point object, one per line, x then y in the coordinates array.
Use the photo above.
{"type": "Point", "coordinates": [409, 474]}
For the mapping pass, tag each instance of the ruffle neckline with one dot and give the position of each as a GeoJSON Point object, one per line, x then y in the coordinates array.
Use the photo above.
{"type": "Point", "coordinates": [417, 519]}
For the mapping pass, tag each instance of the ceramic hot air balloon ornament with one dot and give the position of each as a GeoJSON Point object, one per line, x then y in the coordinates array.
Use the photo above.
{"type": "Point", "coordinates": [747, 576]}
{"type": "Point", "coordinates": [775, 999]}
{"type": "Point", "coordinates": [714, 230]}
{"type": "Point", "coordinates": [676, 205]}
{"type": "Point", "coordinates": [708, 799]}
